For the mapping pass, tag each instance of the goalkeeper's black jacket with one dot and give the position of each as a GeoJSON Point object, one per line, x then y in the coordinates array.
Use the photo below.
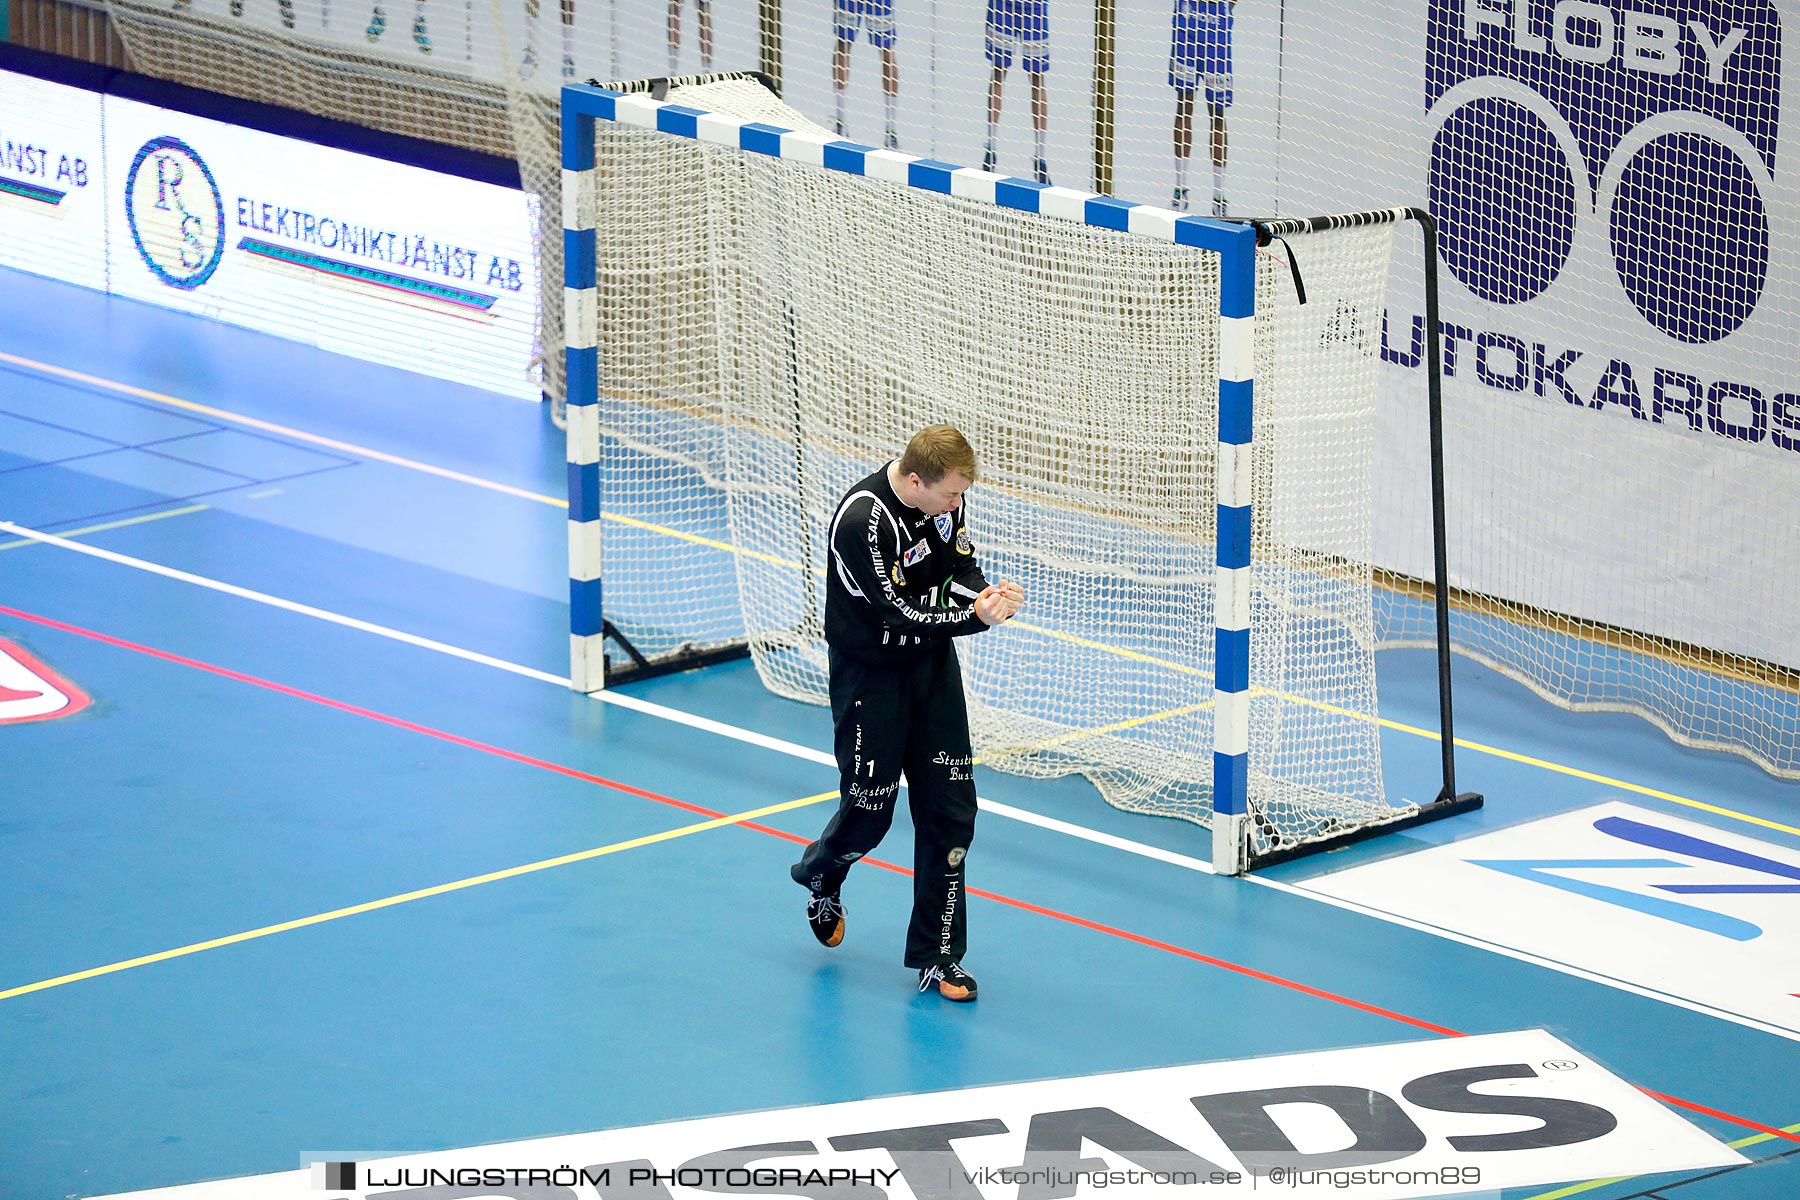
{"type": "Point", "coordinates": [899, 581]}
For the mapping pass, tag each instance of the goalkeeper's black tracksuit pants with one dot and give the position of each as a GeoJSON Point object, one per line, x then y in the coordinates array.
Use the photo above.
{"type": "Point", "coordinates": [889, 716]}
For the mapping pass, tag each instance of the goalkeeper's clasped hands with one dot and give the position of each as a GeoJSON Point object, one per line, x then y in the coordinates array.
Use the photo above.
{"type": "Point", "coordinates": [999, 601]}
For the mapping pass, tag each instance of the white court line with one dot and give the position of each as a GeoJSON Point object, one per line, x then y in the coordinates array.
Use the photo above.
{"type": "Point", "coordinates": [293, 606]}
{"type": "Point", "coordinates": [795, 750]}
{"type": "Point", "coordinates": [705, 724]}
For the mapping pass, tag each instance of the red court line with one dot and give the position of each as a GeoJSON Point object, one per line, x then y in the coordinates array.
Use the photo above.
{"type": "Point", "coordinates": [371, 714]}
{"type": "Point", "coordinates": [1746, 1122]}
{"type": "Point", "coordinates": [1222, 964]}
{"type": "Point", "coordinates": [1023, 905]}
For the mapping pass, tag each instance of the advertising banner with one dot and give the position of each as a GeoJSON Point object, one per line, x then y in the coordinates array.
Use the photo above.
{"type": "Point", "coordinates": [1448, 1117]}
{"type": "Point", "coordinates": [385, 262]}
{"type": "Point", "coordinates": [52, 198]}
{"type": "Point", "coordinates": [1618, 253]}
{"type": "Point", "coordinates": [350, 253]}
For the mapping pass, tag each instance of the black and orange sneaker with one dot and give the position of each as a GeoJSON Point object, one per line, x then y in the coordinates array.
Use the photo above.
{"type": "Point", "coordinates": [826, 916]}
{"type": "Point", "coordinates": [953, 983]}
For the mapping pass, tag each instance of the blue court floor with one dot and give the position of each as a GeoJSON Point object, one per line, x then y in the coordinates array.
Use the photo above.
{"type": "Point", "coordinates": [333, 862]}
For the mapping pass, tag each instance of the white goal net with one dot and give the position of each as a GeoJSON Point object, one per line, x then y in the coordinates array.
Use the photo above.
{"type": "Point", "coordinates": [770, 331]}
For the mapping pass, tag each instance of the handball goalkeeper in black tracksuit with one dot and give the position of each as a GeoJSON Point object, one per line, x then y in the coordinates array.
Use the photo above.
{"type": "Point", "coordinates": [902, 582]}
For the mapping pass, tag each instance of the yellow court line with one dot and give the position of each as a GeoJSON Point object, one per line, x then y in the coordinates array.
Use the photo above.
{"type": "Point", "coordinates": [86, 529]}
{"type": "Point", "coordinates": [407, 897]}
{"type": "Point", "coordinates": [1116, 651]}
{"type": "Point", "coordinates": [1082, 734]}
{"type": "Point", "coordinates": [1755, 1138]}
{"type": "Point", "coordinates": [1590, 1185]}
{"type": "Point", "coordinates": [494, 876]}
{"type": "Point", "coordinates": [695, 538]}
{"type": "Point", "coordinates": [316, 439]}
{"type": "Point", "coordinates": [1542, 764]}
{"type": "Point", "coordinates": [1577, 1189]}
{"type": "Point", "coordinates": [1607, 780]}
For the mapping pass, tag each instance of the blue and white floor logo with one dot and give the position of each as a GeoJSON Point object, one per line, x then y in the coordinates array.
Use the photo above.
{"type": "Point", "coordinates": [1656, 118]}
{"type": "Point", "coordinates": [1703, 916]}
{"type": "Point", "coordinates": [176, 213]}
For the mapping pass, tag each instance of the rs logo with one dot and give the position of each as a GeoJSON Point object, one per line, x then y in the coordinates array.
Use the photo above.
{"type": "Point", "coordinates": [31, 691]}
{"type": "Point", "coordinates": [1655, 119]}
{"type": "Point", "coordinates": [176, 212]}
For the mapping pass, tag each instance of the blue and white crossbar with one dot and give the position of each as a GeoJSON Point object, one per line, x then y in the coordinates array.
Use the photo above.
{"type": "Point", "coordinates": [584, 104]}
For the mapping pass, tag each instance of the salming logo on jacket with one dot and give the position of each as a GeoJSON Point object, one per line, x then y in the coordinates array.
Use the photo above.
{"type": "Point", "coordinates": [899, 579]}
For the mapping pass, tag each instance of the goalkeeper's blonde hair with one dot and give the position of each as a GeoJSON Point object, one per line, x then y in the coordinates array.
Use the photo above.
{"type": "Point", "coordinates": [935, 452]}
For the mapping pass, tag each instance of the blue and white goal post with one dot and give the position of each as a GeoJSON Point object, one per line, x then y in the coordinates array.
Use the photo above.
{"type": "Point", "coordinates": [1245, 801]}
